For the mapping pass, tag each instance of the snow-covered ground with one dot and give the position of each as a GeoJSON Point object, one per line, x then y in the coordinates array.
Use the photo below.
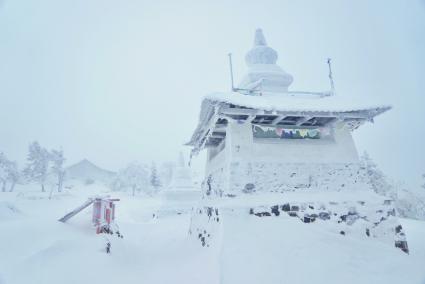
{"type": "Point", "coordinates": [36, 248]}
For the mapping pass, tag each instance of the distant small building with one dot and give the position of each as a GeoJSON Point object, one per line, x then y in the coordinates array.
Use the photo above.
{"type": "Point", "coordinates": [87, 172]}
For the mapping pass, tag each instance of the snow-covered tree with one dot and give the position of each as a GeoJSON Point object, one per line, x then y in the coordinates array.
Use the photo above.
{"type": "Point", "coordinates": [57, 159]}
{"type": "Point", "coordinates": [423, 185]}
{"type": "Point", "coordinates": [38, 164]}
{"type": "Point", "coordinates": [13, 175]}
{"type": "Point", "coordinates": [8, 173]}
{"type": "Point", "coordinates": [3, 171]}
{"type": "Point", "coordinates": [134, 176]}
{"type": "Point", "coordinates": [154, 179]}
{"type": "Point", "coordinates": [166, 172]}
{"type": "Point", "coordinates": [410, 203]}
{"type": "Point", "coordinates": [117, 184]}
{"type": "Point", "coordinates": [376, 177]}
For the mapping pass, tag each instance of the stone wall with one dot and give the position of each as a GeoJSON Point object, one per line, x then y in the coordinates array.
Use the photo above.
{"type": "Point", "coordinates": [280, 177]}
{"type": "Point", "coordinates": [357, 218]}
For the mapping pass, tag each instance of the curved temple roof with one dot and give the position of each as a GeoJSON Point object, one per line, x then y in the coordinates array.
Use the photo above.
{"type": "Point", "coordinates": [297, 109]}
{"type": "Point", "coordinates": [293, 101]}
{"type": "Point", "coordinates": [263, 98]}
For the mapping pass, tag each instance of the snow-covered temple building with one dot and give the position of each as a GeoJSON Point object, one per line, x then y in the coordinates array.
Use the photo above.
{"type": "Point", "coordinates": [276, 152]}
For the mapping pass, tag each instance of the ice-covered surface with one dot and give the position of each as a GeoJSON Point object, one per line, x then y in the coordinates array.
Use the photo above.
{"type": "Point", "coordinates": [36, 248]}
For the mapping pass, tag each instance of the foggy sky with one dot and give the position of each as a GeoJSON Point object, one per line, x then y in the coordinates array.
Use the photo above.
{"type": "Point", "coordinates": [118, 81]}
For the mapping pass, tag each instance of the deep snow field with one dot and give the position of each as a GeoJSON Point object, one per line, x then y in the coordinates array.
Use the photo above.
{"type": "Point", "coordinates": [36, 248]}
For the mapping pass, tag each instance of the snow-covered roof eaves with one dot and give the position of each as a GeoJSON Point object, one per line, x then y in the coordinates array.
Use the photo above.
{"type": "Point", "coordinates": [292, 102]}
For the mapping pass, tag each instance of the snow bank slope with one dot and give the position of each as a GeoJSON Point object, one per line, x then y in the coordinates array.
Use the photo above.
{"type": "Point", "coordinates": [278, 250]}
{"type": "Point", "coordinates": [39, 249]}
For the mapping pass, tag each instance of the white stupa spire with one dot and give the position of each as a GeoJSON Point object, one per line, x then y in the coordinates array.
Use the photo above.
{"type": "Point", "coordinates": [260, 52]}
{"type": "Point", "coordinates": [259, 38]}
{"type": "Point", "coordinates": [263, 74]}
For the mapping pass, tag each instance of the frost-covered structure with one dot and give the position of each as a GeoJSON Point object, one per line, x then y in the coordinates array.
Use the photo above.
{"type": "Point", "coordinates": [275, 152]}
{"type": "Point", "coordinates": [181, 194]}
{"type": "Point", "coordinates": [181, 188]}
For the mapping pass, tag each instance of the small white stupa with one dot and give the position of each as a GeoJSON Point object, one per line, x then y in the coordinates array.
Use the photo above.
{"type": "Point", "coordinates": [182, 176]}
{"type": "Point", "coordinates": [181, 192]}
{"type": "Point", "coordinates": [263, 73]}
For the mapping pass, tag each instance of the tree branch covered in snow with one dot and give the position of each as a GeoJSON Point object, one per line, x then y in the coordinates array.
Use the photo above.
{"type": "Point", "coordinates": [376, 177]}
{"type": "Point", "coordinates": [41, 163]}
{"type": "Point", "coordinates": [423, 185]}
{"type": "Point", "coordinates": [38, 163]}
{"type": "Point", "coordinates": [57, 158]}
{"type": "Point", "coordinates": [154, 178]}
{"type": "Point", "coordinates": [410, 204]}
{"type": "Point", "coordinates": [8, 173]}
{"type": "Point", "coordinates": [135, 177]}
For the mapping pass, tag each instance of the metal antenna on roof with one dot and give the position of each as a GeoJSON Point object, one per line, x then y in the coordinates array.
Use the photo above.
{"type": "Point", "coordinates": [231, 71]}
{"type": "Point", "coordinates": [250, 91]}
{"type": "Point", "coordinates": [330, 77]}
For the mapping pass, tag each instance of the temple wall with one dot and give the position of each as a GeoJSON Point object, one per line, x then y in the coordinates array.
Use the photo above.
{"type": "Point", "coordinates": [278, 177]}
{"type": "Point", "coordinates": [247, 166]}
{"type": "Point", "coordinates": [215, 161]}
{"type": "Point", "coordinates": [339, 149]}
{"type": "Point", "coordinates": [372, 220]}
{"type": "Point", "coordinates": [285, 164]}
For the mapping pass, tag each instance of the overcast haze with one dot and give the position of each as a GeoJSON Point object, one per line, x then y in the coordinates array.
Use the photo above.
{"type": "Point", "coordinates": [117, 81]}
